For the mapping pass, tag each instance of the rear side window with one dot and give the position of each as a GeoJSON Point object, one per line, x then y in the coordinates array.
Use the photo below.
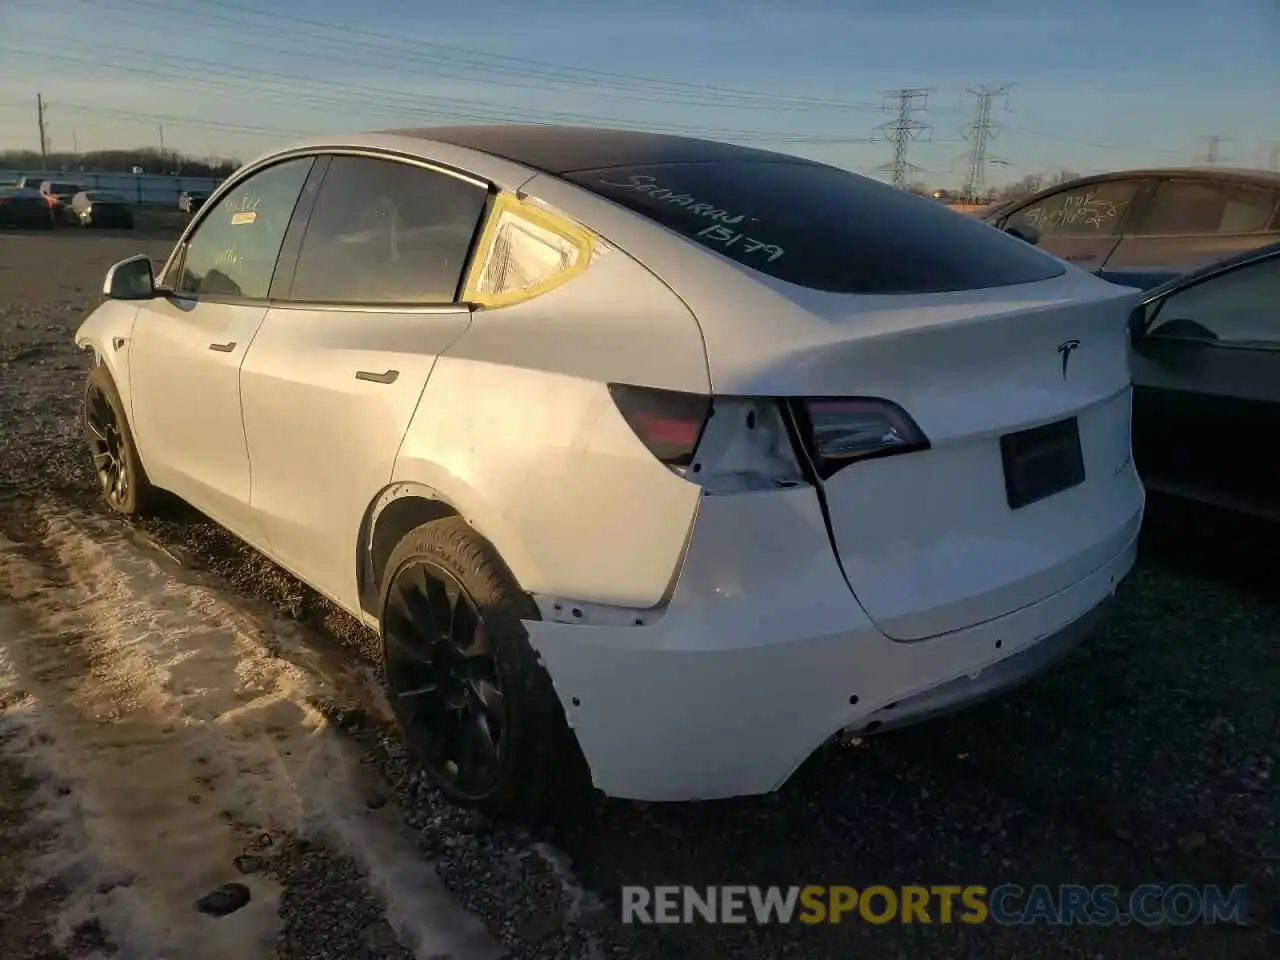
{"type": "Point", "coordinates": [822, 228]}
{"type": "Point", "coordinates": [1092, 210]}
{"type": "Point", "coordinates": [524, 252]}
{"type": "Point", "coordinates": [387, 232]}
{"type": "Point", "coordinates": [1183, 207]}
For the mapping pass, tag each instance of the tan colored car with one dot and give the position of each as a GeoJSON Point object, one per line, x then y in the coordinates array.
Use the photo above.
{"type": "Point", "coordinates": [1175, 218]}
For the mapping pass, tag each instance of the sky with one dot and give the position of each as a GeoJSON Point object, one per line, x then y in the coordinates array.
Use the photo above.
{"type": "Point", "coordinates": [1090, 85]}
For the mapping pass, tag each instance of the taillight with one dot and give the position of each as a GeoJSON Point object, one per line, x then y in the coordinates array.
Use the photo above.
{"type": "Point", "coordinates": [668, 422]}
{"type": "Point", "coordinates": [840, 431]}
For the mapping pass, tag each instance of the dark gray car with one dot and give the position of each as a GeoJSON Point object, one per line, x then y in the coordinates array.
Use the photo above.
{"type": "Point", "coordinates": [1176, 219]}
{"type": "Point", "coordinates": [1206, 374]}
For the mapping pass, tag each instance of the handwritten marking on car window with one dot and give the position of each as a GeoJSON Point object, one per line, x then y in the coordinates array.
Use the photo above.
{"type": "Point", "coordinates": [235, 206]}
{"type": "Point", "coordinates": [718, 232]}
{"type": "Point", "coordinates": [243, 216]}
{"type": "Point", "coordinates": [642, 183]}
{"type": "Point", "coordinates": [227, 257]}
{"type": "Point", "coordinates": [724, 235]}
{"type": "Point", "coordinates": [1081, 209]}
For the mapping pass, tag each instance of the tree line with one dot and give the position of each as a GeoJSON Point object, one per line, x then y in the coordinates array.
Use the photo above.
{"type": "Point", "coordinates": [1031, 183]}
{"type": "Point", "coordinates": [172, 163]}
{"type": "Point", "coordinates": [150, 159]}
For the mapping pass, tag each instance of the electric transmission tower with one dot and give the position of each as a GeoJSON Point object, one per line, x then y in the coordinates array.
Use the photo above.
{"type": "Point", "coordinates": [980, 133]}
{"type": "Point", "coordinates": [903, 129]}
{"type": "Point", "coordinates": [1212, 155]}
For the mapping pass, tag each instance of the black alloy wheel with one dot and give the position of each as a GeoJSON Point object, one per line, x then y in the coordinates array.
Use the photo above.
{"type": "Point", "coordinates": [121, 479]}
{"type": "Point", "coordinates": [107, 446]}
{"type": "Point", "coordinates": [444, 679]}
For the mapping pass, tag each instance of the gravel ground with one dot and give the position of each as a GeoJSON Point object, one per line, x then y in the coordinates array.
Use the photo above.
{"type": "Point", "coordinates": [1150, 756]}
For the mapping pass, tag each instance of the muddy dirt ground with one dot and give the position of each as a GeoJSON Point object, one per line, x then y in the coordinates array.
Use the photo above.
{"type": "Point", "coordinates": [181, 723]}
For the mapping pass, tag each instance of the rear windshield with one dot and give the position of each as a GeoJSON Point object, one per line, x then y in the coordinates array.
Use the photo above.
{"type": "Point", "coordinates": [101, 196]}
{"type": "Point", "coordinates": [822, 228]}
{"type": "Point", "coordinates": [64, 188]}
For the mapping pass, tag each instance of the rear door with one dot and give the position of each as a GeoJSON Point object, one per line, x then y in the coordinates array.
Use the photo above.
{"type": "Point", "coordinates": [1207, 391]}
{"type": "Point", "coordinates": [1192, 221]}
{"type": "Point", "coordinates": [340, 362]}
{"type": "Point", "coordinates": [1082, 224]}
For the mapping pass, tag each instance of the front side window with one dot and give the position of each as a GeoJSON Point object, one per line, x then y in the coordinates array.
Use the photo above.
{"type": "Point", "coordinates": [1182, 207]}
{"type": "Point", "coordinates": [821, 227]}
{"type": "Point", "coordinates": [1241, 307]}
{"type": "Point", "coordinates": [233, 251]}
{"type": "Point", "coordinates": [383, 231]}
{"type": "Point", "coordinates": [1094, 210]}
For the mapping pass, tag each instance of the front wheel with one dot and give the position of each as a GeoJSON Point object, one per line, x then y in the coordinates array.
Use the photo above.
{"type": "Point", "coordinates": [474, 704]}
{"type": "Point", "coordinates": [122, 481]}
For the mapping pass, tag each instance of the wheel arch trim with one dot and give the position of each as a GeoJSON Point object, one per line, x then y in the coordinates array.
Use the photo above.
{"type": "Point", "coordinates": [404, 504]}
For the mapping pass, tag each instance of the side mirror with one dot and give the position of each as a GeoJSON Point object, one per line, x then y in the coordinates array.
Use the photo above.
{"type": "Point", "coordinates": [130, 279]}
{"type": "Point", "coordinates": [1024, 232]}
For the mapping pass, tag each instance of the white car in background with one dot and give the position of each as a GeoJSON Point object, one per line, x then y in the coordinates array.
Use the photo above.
{"type": "Point", "coordinates": [665, 455]}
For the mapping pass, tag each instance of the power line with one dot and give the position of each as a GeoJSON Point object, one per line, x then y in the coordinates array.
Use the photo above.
{"type": "Point", "coordinates": [152, 119]}
{"type": "Point", "coordinates": [487, 65]}
{"type": "Point", "coordinates": [903, 129]}
{"type": "Point", "coordinates": [294, 89]}
{"type": "Point", "coordinates": [980, 133]}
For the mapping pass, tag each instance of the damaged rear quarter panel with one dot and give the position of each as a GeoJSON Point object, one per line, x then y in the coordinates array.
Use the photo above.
{"type": "Point", "coordinates": [517, 429]}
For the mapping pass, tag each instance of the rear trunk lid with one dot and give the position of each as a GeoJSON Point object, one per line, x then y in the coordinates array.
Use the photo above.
{"type": "Point", "coordinates": [944, 538]}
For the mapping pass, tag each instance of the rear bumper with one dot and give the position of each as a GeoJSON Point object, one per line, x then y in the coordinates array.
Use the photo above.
{"type": "Point", "coordinates": [1000, 677]}
{"type": "Point", "coordinates": [763, 654]}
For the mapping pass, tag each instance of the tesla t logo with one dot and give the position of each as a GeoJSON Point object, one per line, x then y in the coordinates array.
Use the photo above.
{"type": "Point", "coordinates": [1065, 349]}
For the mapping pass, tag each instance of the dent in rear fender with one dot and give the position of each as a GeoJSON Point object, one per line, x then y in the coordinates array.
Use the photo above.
{"type": "Point", "coordinates": [108, 331]}
{"type": "Point", "coordinates": [544, 466]}
{"type": "Point", "coordinates": [761, 655]}
{"type": "Point", "coordinates": [517, 429]}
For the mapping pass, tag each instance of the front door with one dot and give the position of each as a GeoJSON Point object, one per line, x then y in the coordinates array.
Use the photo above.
{"type": "Point", "coordinates": [1207, 392]}
{"type": "Point", "coordinates": [338, 367]}
{"type": "Point", "coordinates": [189, 342]}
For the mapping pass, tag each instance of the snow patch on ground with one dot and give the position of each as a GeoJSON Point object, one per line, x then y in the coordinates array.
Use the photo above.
{"type": "Point", "coordinates": [167, 734]}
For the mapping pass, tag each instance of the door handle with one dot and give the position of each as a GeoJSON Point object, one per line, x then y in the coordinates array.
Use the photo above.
{"type": "Point", "coordinates": [387, 377]}
{"type": "Point", "coordinates": [223, 347]}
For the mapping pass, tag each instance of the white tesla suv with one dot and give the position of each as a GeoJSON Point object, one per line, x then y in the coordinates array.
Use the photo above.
{"type": "Point", "coordinates": [650, 458]}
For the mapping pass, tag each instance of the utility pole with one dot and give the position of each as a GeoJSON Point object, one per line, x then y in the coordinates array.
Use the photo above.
{"type": "Point", "coordinates": [903, 129]}
{"type": "Point", "coordinates": [980, 133]}
{"type": "Point", "coordinates": [75, 142]}
{"type": "Point", "coordinates": [1213, 151]}
{"type": "Point", "coordinates": [1273, 161]}
{"type": "Point", "coordinates": [44, 137]}
{"type": "Point", "coordinates": [161, 127]}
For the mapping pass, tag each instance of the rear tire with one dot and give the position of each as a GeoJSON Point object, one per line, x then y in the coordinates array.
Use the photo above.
{"type": "Point", "coordinates": [122, 481]}
{"type": "Point", "coordinates": [474, 704]}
